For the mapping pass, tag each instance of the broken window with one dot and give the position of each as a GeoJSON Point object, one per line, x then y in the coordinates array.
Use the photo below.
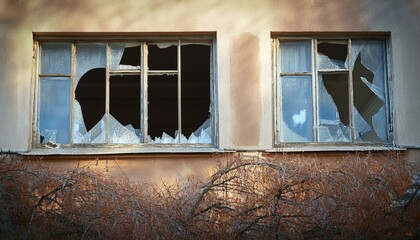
{"type": "Point", "coordinates": [121, 92]}
{"type": "Point", "coordinates": [332, 91]}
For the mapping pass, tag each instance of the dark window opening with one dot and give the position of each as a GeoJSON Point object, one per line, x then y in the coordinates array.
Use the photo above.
{"type": "Point", "coordinates": [195, 62]}
{"type": "Point", "coordinates": [163, 105]}
{"type": "Point", "coordinates": [131, 56]}
{"type": "Point", "coordinates": [162, 57]}
{"type": "Point", "coordinates": [124, 102]}
{"type": "Point", "coordinates": [337, 86]}
{"type": "Point", "coordinates": [336, 51]}
{"type": "Point", "coordinates": [91, 93]}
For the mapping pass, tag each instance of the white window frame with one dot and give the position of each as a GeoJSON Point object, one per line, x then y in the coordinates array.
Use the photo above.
{"type": "Point", "coordinates": [316, 145]}
{"type": "Point", "coordinates": [144, 40]}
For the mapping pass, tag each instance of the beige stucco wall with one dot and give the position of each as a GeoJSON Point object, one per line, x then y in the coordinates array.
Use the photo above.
{"type": "Point", "coordinates": [243, 52]}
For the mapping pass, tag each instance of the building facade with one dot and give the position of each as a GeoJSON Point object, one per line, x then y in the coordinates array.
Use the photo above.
{"type": "Point", "coordinates": [163, 85]}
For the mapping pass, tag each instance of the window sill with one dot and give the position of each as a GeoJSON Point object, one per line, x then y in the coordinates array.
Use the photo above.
{"type": "Point", "coordinates": [333, 148]}
{"type": "Point", "coordinates": [119, 150]}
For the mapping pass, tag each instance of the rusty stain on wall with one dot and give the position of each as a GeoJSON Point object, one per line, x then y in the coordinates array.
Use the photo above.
{"type": "Point", "coordinates": [245, 90]}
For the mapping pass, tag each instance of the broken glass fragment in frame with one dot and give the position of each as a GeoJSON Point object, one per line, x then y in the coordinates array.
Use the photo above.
{"type": "Point", "coordinates": [125, 56]}
{"type": "Point", "coordinates": [297, 114]}
{"type": "Point", "coordinates": [332, 55]}
{"type": "Point", "coordinates": [295, 56]}
{"type": "Point", "coordinates": [368, 62]}
{"type": "Point", "coordinates": [89, 56]}
{"type": "Point", "coordinates": [202, 135]}
{"type": "Point", "coordinates": [333, 107]}
{"type": "Point", "coordinates": [122, 134]}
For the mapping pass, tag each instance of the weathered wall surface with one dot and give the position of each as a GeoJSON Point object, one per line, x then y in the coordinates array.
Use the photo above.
{"type": "Point", "coordinates": [243, 52]}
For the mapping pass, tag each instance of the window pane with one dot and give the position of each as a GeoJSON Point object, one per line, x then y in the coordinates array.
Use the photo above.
{"type": "Point", "coordinates": [368, 62]}
{"type": "Point", "coordinates": [162, 56]}
{"type": "Point", "coordinates": [55, 58]}
{"type": "Point", "coordinates": [54, 110]}
{"type": "Point", "coordinates": [195, 96]}
{"type": "Point", "coordinates": [89, 56]}
{"type": "Point", "coordinates": [125, 56]}
{"type": "Point", "coordinates": [162, 108]}
{"type": "Point", "coordinates": [297, 115]}
{"type": "Point", "coordinates": [295, 56]}
{"type": "Point", "coordinates": [332, 55]}
{"type": "Point", "coordinates": [333, 106]}
{"type": "Point", "coordinates": [90, 93]}
{"type": "Point", "coordinates": [124, 107]}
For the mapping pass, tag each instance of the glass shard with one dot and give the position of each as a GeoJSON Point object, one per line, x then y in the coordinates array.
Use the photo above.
{"type": "Point", "coordinates": [380, 124]}
{"type": "Point", "coordinates": [97, 134]}
{"type": "Point", "coordinates": [203, 134]}
{"type": "Point", "coordinates": [122, 134]}
{"type": "Point", "coordinates": [333, 107]}
{"type": "Point", "coordinates": [369, 64]}
{"type": "Point", "coordinates": [54, 109]}
{"type": "Point", "coordinates": [297, 114]}
{"type": "Point", "coordinates": [56, 58]}
{"type": "Point", "coordinates": [79, 128]}
{"type": "Point", "coordinates": [125, 56]}
{"type": "Point", "coordinates": [91, 94]}
{"type": "Point", "coordinates": [332, 55]}
{"type": "Point", "coordinates": [295, 56]}
{"type": "Point", "coordinates": [361, 127]}
{"type": "Point", "coordinates": [369, 88]}
{"type": "Point", "coordinates": [89, 56]}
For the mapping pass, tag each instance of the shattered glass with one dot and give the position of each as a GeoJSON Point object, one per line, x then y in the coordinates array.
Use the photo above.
{"type": "Point", "coordinates": [296, 56]}
{"type": "Point", "coordinates": [54, 109]}
{"type": "Point", "coordinates": [118, 133]}
{"type": "Point", "coordinates": [89, 56]}
{"type": "Point", "coordinates": [380, 124]}
{"type": "Point", "coordinates": [125, 56]}
{"type": "Point", "coordinates": [361, 127]}
{"type": "Point", "coordinates": [79, 127]}
{"type": "Point", "coordinates": [332, 55]}
{"type": "Point", "coordinates": [368, 66]}
{"type": "Point", "coordinates": [297, 115]}
{"type": "Point", "coordinates": [201, 135]}
{"type": "Point", "coordinates": [122, 134]}
{"type": "Point", "coordinates": [124, 100]}
{"type": "Point", "coordinates": [333, 108]}
{"type": "Point", "coordinates": [56, 58]}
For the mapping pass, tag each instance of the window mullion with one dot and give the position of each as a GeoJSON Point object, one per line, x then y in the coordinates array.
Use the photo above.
{"type": "Point", "coordinates": [179, 93]}
{"type": "Point", "coordinates": [277, 95]}
{"type": "Point", "coordinates": [73, 89]}
{"type": "Point", "coordinates": [143, 96]}
{"type": "Point", "coordinates": [315, 89]}
{"type": "Point", "coordinates": [107, 90]}
{"type": "Point", "coordinates": [351, 99]}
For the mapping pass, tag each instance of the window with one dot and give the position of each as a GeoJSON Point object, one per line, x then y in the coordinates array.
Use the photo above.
{"type": "Point", "coordinates": [332, 90]}
{"type": "Point", "coordinates": [128, 91]}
